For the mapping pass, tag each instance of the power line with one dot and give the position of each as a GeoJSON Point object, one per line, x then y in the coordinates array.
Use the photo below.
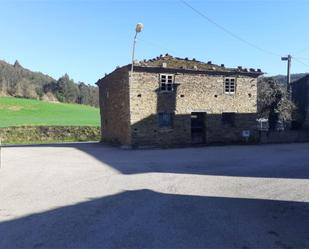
{"type": "Point", "coordinates": [228, 31]}
{"type": "Point", "coordinates": [301, 62]}
{"type": "Point", "coordinates": [301, 50]}
{"type": "Point", "coordinates": [302, 58]}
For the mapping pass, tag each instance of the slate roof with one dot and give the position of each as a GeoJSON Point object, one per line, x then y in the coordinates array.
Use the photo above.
{"type": "Point", "coordinates": [168, 63]}
{"type": "Point", "coordinates": [190, 64]}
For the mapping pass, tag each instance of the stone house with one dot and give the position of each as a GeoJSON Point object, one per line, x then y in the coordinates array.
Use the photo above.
{"type": "Point", "coordinates": [300, 96]}
{"type": "Point", "coordinates": [169, 101]}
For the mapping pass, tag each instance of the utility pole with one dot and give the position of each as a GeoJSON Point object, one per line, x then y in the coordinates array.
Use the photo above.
{"type": "Point", "coordinates": [288, 78]}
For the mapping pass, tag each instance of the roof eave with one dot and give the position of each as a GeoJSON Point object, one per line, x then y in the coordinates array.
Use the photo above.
{"type": "Point", "coordinates": [193, 71]}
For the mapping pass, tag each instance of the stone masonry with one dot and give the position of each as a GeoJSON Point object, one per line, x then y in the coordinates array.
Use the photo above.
{"type": "Point", "coordinates": [114, 107]}
{"type": "Point", "coordinates": [130, 103]}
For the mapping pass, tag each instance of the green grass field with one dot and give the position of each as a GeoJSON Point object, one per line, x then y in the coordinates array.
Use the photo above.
{"type": "Point", "coordinates": [28, 112]}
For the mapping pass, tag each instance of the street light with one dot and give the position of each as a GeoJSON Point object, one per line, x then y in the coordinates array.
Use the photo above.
{"type": "Point", "coordinates": [139, 27]}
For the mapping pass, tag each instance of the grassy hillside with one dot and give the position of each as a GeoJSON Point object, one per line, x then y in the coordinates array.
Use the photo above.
{"type": "Point", "coordinates": [27, 112]}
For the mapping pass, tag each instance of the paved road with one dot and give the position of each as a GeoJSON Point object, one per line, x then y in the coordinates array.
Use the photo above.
{"type": "Point", "coordinates": [94, 196]}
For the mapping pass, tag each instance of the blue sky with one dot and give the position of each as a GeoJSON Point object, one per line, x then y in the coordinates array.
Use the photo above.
{"type": "Point", "coordinates": [87, 39]}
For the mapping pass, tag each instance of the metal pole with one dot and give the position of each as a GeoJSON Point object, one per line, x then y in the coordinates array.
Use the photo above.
{"type": "Point", "coordinates": [133, 52]}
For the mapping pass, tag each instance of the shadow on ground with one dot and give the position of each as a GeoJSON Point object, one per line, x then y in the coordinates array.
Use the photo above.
{"type": "Point", "coordinates": [276, 161]}
{"type": "Point", "coordinates": [147, 219]}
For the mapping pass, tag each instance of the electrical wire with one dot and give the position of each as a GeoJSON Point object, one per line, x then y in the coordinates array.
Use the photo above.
{"type": "Point", "coordinates": [156, 45]}
{"type": "Point", "coordinates": [203, 15]}
{"type": "Point", "coordinates": [301, 58]}
{"type": "Point", "coordinates": [301, 62]}
{"type": "Point", "coordinates": [301, 50]}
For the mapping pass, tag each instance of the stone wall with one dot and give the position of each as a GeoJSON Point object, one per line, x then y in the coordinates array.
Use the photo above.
{"type": "Point", "coordinates": [299, 136]}
{"type": "Point", "coordinates": [48, 134]}
{"type": "Point", "coordinates": [194, 93]}
{"type": "Point", "coordinates": [114, 107]}
{"type": "Point", "coordinates": [217, 132]}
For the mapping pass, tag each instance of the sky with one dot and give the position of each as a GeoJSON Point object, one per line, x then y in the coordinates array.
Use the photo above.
{"type": "Point", "coordinates": [87, 39]}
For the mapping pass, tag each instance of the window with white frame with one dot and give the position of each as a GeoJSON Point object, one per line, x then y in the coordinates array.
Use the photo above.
{"type": "Point", "coordinates": [166, 82]}
{"type": "Point", "coordinates": [229, 85]}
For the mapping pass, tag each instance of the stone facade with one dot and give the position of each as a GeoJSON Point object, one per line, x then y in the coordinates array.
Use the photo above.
{"type": "Point", "coordinates": [130, 104]}
{"type": "Point", "coordinates": [115, 107]}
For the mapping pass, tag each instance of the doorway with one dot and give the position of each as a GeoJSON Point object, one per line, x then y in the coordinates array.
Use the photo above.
{"type": "Point", "coordinates": [198, 127]}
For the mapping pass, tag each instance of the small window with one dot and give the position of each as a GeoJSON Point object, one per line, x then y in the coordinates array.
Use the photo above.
{"type": "Point", "coordinates": [228, 118]}
{"type": "Point", "coordinates": [229, 85]}
{"type": "Point", "coordinates": [165, 119]}
{"type": "Point", "coordinates": [166, 82]}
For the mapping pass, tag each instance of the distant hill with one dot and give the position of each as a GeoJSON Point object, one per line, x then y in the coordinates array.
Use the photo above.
{"type": "Point", "coordinates": [30, 112]}
{"type": "Point", "coordinates": [18, 81]}
{"type": "Point", "coordinates": [282, 78]}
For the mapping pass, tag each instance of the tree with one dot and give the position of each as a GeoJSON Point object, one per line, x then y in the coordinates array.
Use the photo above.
{"type": "Point", "coordinates": [67, 90]}
{"type": "Point", "coordinates": [84, 94]}
{"type": "Point", "coordinates": [273, 102]}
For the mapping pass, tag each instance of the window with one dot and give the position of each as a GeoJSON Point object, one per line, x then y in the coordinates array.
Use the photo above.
{"type": "Point", "coordinates": [228, 118]}
{"type": "Point", "coordinates": [165, 119]}
{"type": "Point", "coordinates": [229, 85]}
{"type": "Point", "coordinates": [166, 82]}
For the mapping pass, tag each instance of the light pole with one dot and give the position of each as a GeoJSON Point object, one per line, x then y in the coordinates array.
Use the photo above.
{"type": "Point", "coordinates": [288, 80]}
{"type": "Point", "coordinates": [139, 27]}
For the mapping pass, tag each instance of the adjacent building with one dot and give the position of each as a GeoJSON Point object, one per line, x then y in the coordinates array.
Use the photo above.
{"type": "Point", "coordinates": [170, 101]}
{"type": "Point", "coordinates": [300, 93]}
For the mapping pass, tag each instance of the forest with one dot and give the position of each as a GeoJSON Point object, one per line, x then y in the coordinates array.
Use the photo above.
{"type": "Point", "coordinates": [18, 81]}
